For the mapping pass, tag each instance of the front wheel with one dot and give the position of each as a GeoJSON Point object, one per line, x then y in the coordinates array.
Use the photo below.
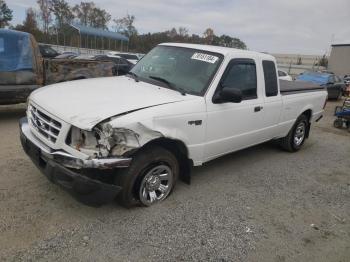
{"type": "Point", "coordinates": [150, 178]}
{"type": "Point", "coordinates": [296, 136]}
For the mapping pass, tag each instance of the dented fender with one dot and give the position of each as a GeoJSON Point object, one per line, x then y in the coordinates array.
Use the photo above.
{"type": "Point", "coordinates": [126, 139]}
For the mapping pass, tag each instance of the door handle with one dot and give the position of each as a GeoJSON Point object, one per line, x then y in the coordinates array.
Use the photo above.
{"type": "Point", "coordinates": [257, 108]}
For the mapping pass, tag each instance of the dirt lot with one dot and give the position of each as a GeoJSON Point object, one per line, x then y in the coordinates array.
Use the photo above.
{"type": "Point", "coordinates": [260, 204]}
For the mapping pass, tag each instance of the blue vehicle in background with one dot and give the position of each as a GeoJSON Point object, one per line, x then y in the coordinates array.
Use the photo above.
{"type": "Point", "coordinates": [343, 115]}
{"type": "Point", "coordinates": [334, 84]}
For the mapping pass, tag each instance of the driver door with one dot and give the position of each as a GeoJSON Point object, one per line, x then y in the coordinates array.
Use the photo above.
{"type": "Point", "coordinates": [232, 126]}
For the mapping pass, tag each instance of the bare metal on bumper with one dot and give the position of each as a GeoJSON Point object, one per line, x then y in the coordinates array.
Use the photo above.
{"type": "Point", "coordinates": [69, 160]}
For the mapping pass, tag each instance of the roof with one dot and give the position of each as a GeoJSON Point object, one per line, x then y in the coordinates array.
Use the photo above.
{"type": "Point", "coordinates": [14, 32]}
{"type": "Point", "coordinates": [86, 30]}
{"type": "Point", "coordinates": [220, 49]}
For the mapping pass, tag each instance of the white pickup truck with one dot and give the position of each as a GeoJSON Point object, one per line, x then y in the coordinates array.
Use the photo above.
{"type": "Point", "coordinates": [131, 137]}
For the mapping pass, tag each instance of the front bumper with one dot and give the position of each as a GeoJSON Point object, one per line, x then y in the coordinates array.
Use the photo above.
{"type": "Point", "coordinates": [64, 169]}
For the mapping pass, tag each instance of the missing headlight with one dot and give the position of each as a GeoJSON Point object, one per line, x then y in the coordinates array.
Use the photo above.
{"type": "Point", "coordinates": [84, 141]}
{"type": "Point", "coordinates": [106, 141]}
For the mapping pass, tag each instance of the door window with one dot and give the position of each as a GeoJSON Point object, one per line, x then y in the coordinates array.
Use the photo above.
{"type": "Point", "coordinates": [241, 74]}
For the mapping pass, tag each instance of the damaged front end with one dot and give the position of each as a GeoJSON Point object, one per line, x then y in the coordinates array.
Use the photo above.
{"type": "Point", "coordinates": [89, 179]}
{"type": "Point", "coordinates": [71, 172]}
{"type": "Point", "coordinates": [105, 141]}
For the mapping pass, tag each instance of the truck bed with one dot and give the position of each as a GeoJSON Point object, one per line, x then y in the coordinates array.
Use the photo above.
{"type": "Point", "coordinates": [293, 87]}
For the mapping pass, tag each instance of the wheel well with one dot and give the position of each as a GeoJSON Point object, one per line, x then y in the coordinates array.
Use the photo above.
{"type": "Point", "coordinates": [180, 151]}
{"type": "Point", "coordinates": [79, 78]}
{"type": "Point", "coordinates": [308, 114]}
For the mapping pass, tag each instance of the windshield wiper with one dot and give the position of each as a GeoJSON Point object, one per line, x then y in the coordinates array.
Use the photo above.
{"type": "Point", "coordinates": [135, 76]}
{"type": "Point", "coordinates": [170, 85]}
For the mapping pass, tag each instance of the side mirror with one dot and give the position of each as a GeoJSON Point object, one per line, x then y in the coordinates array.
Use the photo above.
{"type": "Point", "coordinates": [226, 94]}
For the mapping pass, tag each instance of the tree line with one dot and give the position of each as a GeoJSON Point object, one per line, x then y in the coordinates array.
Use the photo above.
{"type": "Point", "coordinates": [49, 23]}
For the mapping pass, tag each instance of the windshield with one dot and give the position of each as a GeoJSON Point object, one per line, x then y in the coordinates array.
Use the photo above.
{"type": "Point", "coordinates": [15, 51]}
{"type": "Point", "coordinates": [188, 69]}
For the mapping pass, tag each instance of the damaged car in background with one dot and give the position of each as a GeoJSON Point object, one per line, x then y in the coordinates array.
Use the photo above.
{"type": "Point", "coordinates": [23, 68]}
{"type": "Point", "coordinates": [132, 137]}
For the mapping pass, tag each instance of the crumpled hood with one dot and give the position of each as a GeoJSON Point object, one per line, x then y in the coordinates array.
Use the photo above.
{"type": "Point", "coordinates": [85, 103]}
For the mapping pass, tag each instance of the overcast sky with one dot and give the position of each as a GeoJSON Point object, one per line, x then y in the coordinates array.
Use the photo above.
{"type": "Point", "coordinates": [275, 26]}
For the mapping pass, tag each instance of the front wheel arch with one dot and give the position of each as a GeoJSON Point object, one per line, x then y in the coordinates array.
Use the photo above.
{"type": "Point", "coordinates": [130, 179]}
{"type": "Point", "coordinates": [180, 151]}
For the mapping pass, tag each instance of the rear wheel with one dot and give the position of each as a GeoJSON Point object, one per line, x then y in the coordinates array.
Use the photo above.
{"type": "Point", "coordinates": [296, 136]}
{"type": "Point", "coordinates": [150, 178]}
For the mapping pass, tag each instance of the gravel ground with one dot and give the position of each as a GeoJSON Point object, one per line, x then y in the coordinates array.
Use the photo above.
{"type": "Point", "coordinates": [259, 204]}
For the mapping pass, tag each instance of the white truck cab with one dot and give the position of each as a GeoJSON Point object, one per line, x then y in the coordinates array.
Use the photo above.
{"type": "Point", "coordinates": [182, 105]}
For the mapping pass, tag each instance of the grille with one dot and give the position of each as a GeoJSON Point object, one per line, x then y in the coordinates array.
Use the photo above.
{"type": "Point", "coordinates": [44, 124]}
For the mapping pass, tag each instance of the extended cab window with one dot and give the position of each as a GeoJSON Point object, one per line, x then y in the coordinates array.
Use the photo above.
{"type": "Point", "coordinates": [271, 85]}
{"type": "Point", "coordinates": [241, 74]}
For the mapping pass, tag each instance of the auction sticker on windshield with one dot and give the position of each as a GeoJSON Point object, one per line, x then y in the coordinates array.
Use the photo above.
{"type": "Point", "coordinates": [205, 57]}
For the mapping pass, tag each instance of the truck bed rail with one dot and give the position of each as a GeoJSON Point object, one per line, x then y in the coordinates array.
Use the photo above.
{"type": "Point", "coordinates": [292, 87]}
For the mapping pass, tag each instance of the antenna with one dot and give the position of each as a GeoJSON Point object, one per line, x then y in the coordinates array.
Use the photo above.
{"type": "Point", "coordinates": [328, 50]}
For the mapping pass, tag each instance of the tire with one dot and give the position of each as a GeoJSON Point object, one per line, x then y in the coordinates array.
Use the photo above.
{"type": "Point", "coordinates": [338, 123]}
{"type": "Point", "coordinates": [296, 136]}
{"type": "Point", "coordinates": [140, 182]}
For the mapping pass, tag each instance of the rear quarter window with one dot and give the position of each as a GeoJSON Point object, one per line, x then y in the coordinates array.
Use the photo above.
{"type": "Point", "coordinates": [270, 76]}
